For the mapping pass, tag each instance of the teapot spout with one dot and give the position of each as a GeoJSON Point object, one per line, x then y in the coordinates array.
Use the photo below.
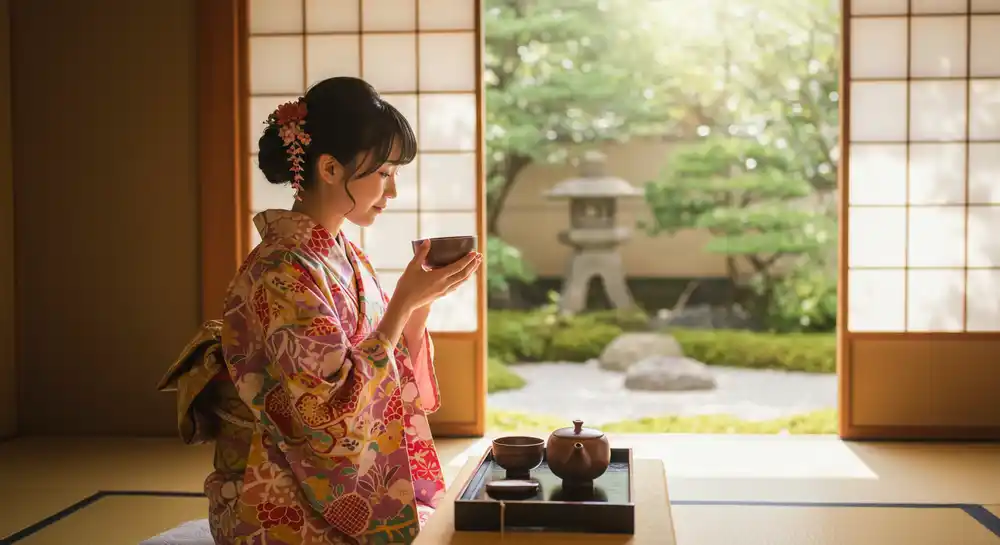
{"type": "Point", "coordinates": [578, 461]}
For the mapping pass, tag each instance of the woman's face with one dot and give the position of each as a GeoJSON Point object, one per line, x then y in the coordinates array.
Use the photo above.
{"type": "Point", "coordinates": [370, 193]}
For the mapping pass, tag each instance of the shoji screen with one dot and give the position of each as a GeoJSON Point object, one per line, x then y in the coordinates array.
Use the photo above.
{"type": "Point", "coordinates": [921, 259]}
{"type": "Point", "coordinates": [423, 57]}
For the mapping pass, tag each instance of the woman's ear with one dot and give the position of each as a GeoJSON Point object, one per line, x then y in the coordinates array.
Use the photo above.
{"type": "Point", "coordinates": [329, 169]}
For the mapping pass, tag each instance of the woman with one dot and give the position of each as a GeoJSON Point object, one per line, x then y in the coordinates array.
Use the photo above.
{"type": "Point", "coordinates": [338, 377]}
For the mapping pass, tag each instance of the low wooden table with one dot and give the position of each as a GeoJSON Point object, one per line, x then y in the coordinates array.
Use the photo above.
{"type": "Point", "coordinates": [653, 522]}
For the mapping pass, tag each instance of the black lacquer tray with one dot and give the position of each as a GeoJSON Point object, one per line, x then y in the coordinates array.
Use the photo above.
{"type": "Point", "coordinates": [607, 507]}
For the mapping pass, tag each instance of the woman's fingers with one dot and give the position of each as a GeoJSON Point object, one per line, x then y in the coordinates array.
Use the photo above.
{"type": "Point", "coordinates": [420, 255]}
{"type": "Point", "coordinates": [466, 271]}
{"type": "Point", "coordinates": [462, 276]}
{"type": "Point", "coordinates": [458, 266]}
{"type": "Point", "coordinates": [447, 279]}
{"type": "Point", "coordinates": [470, 266]}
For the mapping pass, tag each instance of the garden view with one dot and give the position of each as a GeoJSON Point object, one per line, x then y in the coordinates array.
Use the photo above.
{"type": "Point", "coordinates": [743, 96]}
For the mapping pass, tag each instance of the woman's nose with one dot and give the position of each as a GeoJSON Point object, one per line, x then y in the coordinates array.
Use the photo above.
{"type": "Point", "coordinates": [390, 188]}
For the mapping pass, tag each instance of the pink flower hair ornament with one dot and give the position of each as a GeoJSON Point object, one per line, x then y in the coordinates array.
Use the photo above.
{"type": "Point", "coordinates": [290, 119]}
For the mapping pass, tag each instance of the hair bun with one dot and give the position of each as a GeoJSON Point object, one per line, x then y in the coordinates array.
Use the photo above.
{"type": "Point", "coordinates": [272, 157]}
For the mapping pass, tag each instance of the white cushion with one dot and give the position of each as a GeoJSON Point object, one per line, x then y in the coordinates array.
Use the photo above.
{"type": "Point", "coordinates": [194, 532]}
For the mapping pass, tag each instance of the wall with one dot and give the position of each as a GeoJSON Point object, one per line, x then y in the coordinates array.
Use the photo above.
{"type": "Point", "coordinates": [107, 210]}
{"type": "Point", "coordinates": [8, 369]}
{"type": "Point", "coordinates": [532, 223]}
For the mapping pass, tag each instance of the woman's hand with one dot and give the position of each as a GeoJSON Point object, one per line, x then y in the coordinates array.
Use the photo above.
{"type": "Point", "coordinates": [418, 287]}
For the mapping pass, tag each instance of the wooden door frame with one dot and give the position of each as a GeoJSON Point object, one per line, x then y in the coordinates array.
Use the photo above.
{"type": "Point", "coordinates": [843, 361]}
{"type": "Point", "coordinates": [847, 341]}
{"type": "Point", "coordinates": [222, 100]}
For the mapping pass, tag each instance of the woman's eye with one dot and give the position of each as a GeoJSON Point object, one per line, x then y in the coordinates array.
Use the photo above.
{"type": "Point", "coordinates": [385, 175]}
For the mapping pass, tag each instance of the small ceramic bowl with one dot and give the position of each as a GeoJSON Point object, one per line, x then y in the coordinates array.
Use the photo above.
{"type": "Point", "coordinates": [446, 250]}
{"type": "Point", "coordinates": [513, 489]}
{"type": "Point", "coordinates": [518, 454]}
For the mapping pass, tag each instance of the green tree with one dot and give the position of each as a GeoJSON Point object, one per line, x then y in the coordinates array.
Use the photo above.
{"type": "Point", "coordinates": [765, 86]}
{"type": "Point", "coordinates": [565, 74]}
{"type": "Point", "coordinates": [562, 75]}
{"type": "Point", "coordinates": [752, 200]}
{"type": "Point", "coordinates": [777, 69]}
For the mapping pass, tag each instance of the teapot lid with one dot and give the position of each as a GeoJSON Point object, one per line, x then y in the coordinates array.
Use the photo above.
{"type": "Point", "coordinates": [578, 432]}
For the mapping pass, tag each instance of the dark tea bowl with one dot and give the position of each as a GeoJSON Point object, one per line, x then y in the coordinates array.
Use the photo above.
{"type": "Point", "coordinates": [518, 454]}
{"type": "Point", "coordinates": [446, 250]}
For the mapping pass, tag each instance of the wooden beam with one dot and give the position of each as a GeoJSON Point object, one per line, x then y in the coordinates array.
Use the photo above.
{"type": "Point", "coordinates": [221, 95]}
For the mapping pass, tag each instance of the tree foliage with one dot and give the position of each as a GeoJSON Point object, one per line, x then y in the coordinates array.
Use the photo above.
{"type": "Point", "coordinates": [779, 72]}
{"type": "Point", "coordinates": [562, 74]}
{"type": "Point", "coordinates": [747, 196]}
{"type": "Point", "coordinates": [761, 181]}
{"type": "Point", "coordinates": [504, 265]}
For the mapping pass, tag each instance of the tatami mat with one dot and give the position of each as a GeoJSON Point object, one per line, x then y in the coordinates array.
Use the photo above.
{"type": "Point", "coordinates": [119, 520]}
{"type": "Point", "coordinates": [24, 506]}
{"type": "Point", "coordinates": [41, 477]}
{"type": "Point", "coordinates": [749, 525]}
{"type": "Point", "coordinates": [92, 464]}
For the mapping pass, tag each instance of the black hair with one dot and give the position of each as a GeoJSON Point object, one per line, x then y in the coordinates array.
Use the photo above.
{"type": "Point", "coordinates": [347, 119]}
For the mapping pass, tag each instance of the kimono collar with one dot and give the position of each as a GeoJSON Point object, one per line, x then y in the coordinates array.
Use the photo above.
{"type": "Point", "coordinates": [288, 225]}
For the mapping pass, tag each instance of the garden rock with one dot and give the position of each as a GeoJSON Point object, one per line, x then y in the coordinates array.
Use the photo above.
{"type": "Point", "coordinates": [629, 348]}
{"type": "Point", "coordinates": [665, 374]}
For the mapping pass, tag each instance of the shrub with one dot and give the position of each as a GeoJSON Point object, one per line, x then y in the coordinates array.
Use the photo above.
{"type": "Point", "coordinates": [516, 336]}
{"type": "Point", "coordinates": [626, 320]}
{"type": "Point", "coordinates": [539, 336]}
{"type": "Point", "coordinates": [810, 352]}
{"type": "Point", "coordinates": [805, 300]}
{"type": "Point", "coordinates": [580, 342]}
{"type": "Point", "coordinates": [817, 422]}
{"type": "Point", "coordinates": [584, 336]}
{"type": "Point", "coordinates": [499, 378]}
{"type": "Point", "coordinates": [504, 265]}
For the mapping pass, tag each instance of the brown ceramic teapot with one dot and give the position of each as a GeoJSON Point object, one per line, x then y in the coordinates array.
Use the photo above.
{"type": "Point", "coordinates": [578, 455]}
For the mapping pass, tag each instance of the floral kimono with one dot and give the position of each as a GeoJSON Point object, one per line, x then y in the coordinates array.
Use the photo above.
{"type": "Point", "coordinates": [342, 451]}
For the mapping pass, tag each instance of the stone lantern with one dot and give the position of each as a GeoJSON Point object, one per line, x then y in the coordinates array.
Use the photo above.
{"type": "Point", "coordinates": [593, 204]}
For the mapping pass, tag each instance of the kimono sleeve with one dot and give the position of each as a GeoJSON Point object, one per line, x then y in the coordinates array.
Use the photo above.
{"type": "Point", "coordinates": [421, 354]}
{"type": "Point", "coordinates": [322, 382]}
